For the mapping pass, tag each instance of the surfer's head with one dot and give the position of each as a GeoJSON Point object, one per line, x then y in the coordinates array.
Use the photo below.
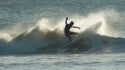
{"type": "Point", "coordinates": [71, 23]}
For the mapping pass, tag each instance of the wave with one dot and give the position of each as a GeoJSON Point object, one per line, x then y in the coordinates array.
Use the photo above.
{"type": "Point", "coordinates": [38, 41]}
{"type": "Point", "coordinates": [94, 36]}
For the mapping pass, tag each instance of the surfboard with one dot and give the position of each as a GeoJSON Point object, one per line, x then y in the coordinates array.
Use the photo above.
{"type": "Point", "coordinates": [71, 42]}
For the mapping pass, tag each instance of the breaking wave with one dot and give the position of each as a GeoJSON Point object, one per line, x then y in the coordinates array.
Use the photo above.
{"type": "Point", "coordinates": [95, 36]}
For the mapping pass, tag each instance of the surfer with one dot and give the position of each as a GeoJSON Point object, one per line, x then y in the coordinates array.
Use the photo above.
{"type": "Point", "coordinates": [67, 29]}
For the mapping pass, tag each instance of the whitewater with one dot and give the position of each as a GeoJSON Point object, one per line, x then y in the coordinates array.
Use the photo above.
{"type": "Point", "coordinates": [32, 35]}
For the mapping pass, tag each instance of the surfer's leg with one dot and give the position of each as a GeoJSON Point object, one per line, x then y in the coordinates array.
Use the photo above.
{"type": "Point", "coordinates": [69, 37]}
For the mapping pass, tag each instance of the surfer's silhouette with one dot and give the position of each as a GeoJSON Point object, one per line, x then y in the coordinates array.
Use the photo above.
{"type": "Point", "coordinates": [67, 28]}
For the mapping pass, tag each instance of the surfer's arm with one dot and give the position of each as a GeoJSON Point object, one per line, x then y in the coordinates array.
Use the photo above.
{"type": "Point", "coordinates": [75, 27]}
{"type": "Point", "coordinates": [66, 20]}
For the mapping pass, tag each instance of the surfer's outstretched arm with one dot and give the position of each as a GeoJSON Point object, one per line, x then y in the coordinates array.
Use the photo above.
{"type": "Point", "coordinates": [66, 20]}
{"type": "Point", "coordinates": [75, 27]}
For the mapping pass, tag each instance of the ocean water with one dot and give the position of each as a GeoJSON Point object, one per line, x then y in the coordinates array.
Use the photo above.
{"type": "Point", "coordinates": [64, 62]}
{"type": "Point", "coordinates": [31, 27]}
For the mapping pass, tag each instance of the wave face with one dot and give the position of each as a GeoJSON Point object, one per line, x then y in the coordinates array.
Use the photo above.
{"type": "Point", "coordinates": [28, 27]}
{"type": "Point", "coordinates": [45, 40]}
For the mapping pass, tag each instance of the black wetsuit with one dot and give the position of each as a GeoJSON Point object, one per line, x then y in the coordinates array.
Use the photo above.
{"type": "Point", "coordinates": [67, 31]}
{"type": "Point", "coordinates": [67, 28]}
